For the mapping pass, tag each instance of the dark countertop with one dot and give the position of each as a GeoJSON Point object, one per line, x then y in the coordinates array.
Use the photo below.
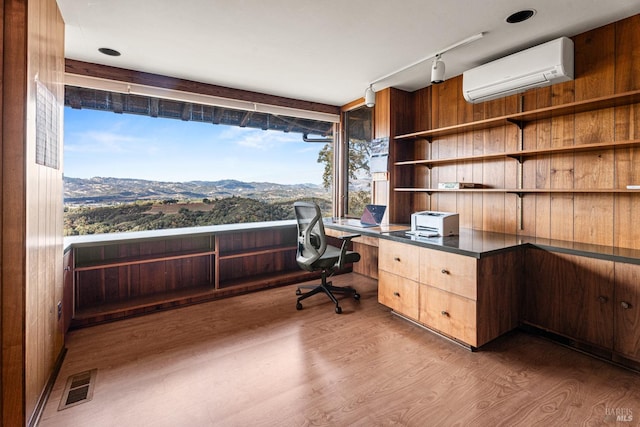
{"type": "Point", "coordinates": [479, 244]}
{"type": "Point", "coordinates": [612, 253]}
{"type": "Point", "coordinates": [473, 243]}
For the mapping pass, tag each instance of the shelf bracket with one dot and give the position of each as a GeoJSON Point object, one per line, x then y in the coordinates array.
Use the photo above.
{"type": "Point", "coordinates": [520, 194]}
{"type": "Point", "coordinates": [520, 210]}
{"type": "Point", "coordinates": [519, 158]}
{"type": "Point", "coordinates": [519, 123]}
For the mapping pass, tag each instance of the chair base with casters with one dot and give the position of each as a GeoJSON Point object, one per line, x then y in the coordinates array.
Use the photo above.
{"type": "Point", "coordinates": [314, 254]}
{"type": "Point", "coordinates": [328, 289]}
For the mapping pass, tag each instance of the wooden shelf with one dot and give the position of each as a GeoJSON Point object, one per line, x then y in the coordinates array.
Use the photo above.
{"type": "Point", "coordinates": [524, 154]}
{"type": "Point", "coordinates": [177, 298]}
{"type": "Point", "coordinates": [262, 251]}
{"type": "Point", "coordinates": [170, 273]}
{"type": "Point", "coordinates": [449, 190]}
{"type": "Point", "coordinates": [267, 280]}
{"type": "Point", "coordinates": [428, 163]}
{"type": "Point", "coordinates": [521, 119]}
{"type": "Point", "coordinates": [518, 191]}
{"type": "Point", "coordinates": [565, 190]}
{"type": "Point", "coordinates": [99, 265]}
{"type": "Point", "coordinates": [149, 302]}
{"type": "Point", "coordinates": [520, 155]}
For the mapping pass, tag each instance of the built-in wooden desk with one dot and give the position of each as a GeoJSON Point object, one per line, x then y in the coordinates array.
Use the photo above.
{"type": "Point", "coordinates": [478, 285]}
{"type": "Point", "coordinates": [366, 245]}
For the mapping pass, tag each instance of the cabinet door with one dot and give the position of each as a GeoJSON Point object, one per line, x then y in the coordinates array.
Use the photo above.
{"type": "Point", "coordinates": [569, 295]}
{"type": "Point", "coordinates": [398, 293]}
{"type": "Point", "coordinates": [448, 313]}
{"type": "Point", "coordinates": [449, 272]}
{"type": "Point", "coordinates": [399, 258]}
{"type": "Point", "coordinates": [627, 310]}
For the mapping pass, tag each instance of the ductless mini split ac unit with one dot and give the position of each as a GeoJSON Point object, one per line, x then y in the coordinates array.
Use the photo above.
{"type": "Point", "coordinates": [541, 65]}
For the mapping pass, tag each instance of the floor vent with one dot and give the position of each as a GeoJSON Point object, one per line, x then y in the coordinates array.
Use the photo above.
{"type": "Point", "coordinates": [79, 389]}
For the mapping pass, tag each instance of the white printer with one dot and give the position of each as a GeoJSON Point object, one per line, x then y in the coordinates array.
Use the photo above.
{"type": "Point", "coordinates": [432, 223]}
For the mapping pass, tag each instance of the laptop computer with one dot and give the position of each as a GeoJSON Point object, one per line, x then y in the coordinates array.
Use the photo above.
{"type": "Point", "coordinates": [371, 217]}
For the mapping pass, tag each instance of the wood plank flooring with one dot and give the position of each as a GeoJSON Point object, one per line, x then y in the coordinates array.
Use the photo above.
{"type": "Point", "coordinates": [254, 360]}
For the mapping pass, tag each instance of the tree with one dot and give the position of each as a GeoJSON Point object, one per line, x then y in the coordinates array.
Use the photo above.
{"type": "Point", "coordinates": [326, 156]}
{"type": "Point", "coordinates": [359, 153]}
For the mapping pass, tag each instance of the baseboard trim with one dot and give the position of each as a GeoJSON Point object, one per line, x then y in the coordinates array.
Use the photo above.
{"type": "Point", "coordinates": [437, 333]}
{"type": "Point", "coordinates": [596, 352]}
{"type": "Point", "coordinates": [46, 392]}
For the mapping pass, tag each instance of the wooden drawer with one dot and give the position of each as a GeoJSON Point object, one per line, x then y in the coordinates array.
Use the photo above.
{"type": "Point", "coordinates": [398, 293]}
{"type": "Point", "coordinates": [399, 258]}
{"type": "Point", "coordinates": [449, 272]}
{"type": "Point", "coordinates": [448, 313]}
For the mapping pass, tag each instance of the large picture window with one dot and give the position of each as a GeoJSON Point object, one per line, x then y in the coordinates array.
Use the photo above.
{"type": "Point", "coordinates": [144, 170]}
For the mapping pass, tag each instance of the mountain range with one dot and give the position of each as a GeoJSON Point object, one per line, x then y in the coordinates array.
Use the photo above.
{"type": "Point", "coordinates": [104, 190]}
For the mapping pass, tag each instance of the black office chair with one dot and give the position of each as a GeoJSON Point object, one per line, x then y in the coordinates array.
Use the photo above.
{"type": "Point", "coordinates": [315, 254]}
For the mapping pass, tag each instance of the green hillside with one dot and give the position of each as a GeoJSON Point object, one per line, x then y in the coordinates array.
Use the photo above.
{"type": "Point", "coordinates": [158, 215]}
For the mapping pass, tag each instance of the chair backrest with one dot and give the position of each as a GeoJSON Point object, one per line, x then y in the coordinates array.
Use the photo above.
{"type": "Point", "coordinates": [312, 241]}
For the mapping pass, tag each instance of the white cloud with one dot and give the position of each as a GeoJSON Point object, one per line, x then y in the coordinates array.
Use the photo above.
{"type": "Point", "coordinates": [258, 139]}
{"type": "Point", "coordinates": [101, 142]}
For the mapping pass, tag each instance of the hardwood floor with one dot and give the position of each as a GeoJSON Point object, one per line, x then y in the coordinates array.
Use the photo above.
{"type": "Point", "coordinates": [253, 360]}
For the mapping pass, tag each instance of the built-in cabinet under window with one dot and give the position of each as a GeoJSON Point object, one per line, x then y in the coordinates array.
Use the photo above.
{"type": "Point", "coordinates": [123, 276]}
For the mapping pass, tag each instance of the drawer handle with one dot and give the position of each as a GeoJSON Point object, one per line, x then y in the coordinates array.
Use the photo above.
{"type": "Point", "coordinates": [625, 305]}
{"type": "Point", "coordinates": [396, 294]}
{"type": "Point", "coordinates": [443, 271]}
{"type": "Point", "coordinates": [444, 313]}
{"type": "Point", "coordinates": [396, 259]}
{"type": "Point", "coordinates": [603, 299]}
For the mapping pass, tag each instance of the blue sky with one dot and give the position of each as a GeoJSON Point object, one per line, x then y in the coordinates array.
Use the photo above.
{"type": "Point", "coordinates": [98, 143]}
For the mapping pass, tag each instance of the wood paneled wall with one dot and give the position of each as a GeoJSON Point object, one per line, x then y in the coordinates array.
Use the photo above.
{"type": "Point", "coordinates": [392, 116]}
{"type": "Point", "coordinates": [44, 334]}
{"type": "Point", "coordinates": [12, 272]}
{"type": "Point", "coordinates": [607, 61]}
{"type": "Point", "coordinates": [31, 204]}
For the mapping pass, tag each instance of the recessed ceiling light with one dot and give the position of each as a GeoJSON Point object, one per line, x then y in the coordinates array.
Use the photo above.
{"type": "Point", "coordinates": [521, 15]}
{"type": "Point", "coordinates": [110, 52]}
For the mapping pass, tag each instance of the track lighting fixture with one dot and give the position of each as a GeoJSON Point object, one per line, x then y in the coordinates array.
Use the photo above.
{"type": "Point", "coordinates": [369, 97]}
{"type": "Point", "coordinates": [437, 70]}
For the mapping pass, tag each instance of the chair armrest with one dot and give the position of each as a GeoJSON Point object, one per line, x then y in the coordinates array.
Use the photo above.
{"type": "Point", "coordinates": [346, 239]}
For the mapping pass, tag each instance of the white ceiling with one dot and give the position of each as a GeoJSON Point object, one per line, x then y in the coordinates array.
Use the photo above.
{"type": "Point", "coordinates": [316, 50]}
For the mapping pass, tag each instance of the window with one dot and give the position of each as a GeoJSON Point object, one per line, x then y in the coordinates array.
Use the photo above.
{"type": "Point", "coordinates": [358, 132]}
{"type": "Point", "coordinates": [141, 170]}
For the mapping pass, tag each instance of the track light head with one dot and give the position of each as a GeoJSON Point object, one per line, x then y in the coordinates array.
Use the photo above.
{"type": "Point", "coordinates": [437, 70]}
{"type": "Point", "coordinates": [369, 97]}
